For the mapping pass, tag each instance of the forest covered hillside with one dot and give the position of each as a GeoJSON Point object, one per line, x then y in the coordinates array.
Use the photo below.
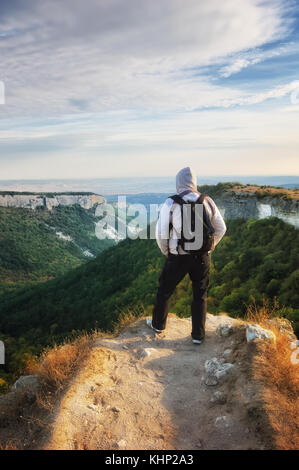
{"type": "Point", "coordinates": [41, 244]}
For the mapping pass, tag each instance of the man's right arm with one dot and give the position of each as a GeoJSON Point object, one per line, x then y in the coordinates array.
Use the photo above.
{"type": "Point", "coordinates": [218, 222]}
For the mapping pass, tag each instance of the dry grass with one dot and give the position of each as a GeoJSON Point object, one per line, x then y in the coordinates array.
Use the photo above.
{"type": "Point", "coordinates": [125, 318]}
{"type": "Point", "coordinates": [267, 191]}
{"type": "Point", "coordinates": [22, 426]}
{"type": "Point", "coordinates": [8, 446]}
{"type": "Point", "coordinates": [279, 380]}
{"type": "Point", "coordinates": [262, 314]}
{"type": "Point", "coordinates": [58, 364]}
{"type": "Point", "coordinates": [25, 422]}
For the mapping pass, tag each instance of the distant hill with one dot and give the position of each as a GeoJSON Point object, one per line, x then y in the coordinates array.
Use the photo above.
{"type": "Point", "coordinates": [31, 200]}
{"type": "Point", "coordinates": [261, 192]}
{"type": "Point", "coordinates": [46, 194]}
{"type": "Point", "coordinates": [290, 186]}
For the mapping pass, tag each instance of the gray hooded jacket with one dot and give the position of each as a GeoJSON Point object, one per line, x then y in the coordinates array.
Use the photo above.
{"type": "Point", "coordinates": [186, 186]}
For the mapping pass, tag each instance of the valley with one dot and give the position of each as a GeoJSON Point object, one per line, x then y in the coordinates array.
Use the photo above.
{"type": "Point", "coordinates": [52, 288]}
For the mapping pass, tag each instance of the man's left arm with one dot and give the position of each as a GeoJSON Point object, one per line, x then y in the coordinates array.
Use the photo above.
{"type": "Point", "coordinates": [162, 227]}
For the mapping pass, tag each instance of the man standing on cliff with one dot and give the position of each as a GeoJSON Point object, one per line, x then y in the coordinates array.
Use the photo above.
{"type": "Point", "coordinates": [180, 262]}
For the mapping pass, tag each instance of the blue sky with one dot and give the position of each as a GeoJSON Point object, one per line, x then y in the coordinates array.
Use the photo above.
{"type": "Point", "coordinates": [105, 88]}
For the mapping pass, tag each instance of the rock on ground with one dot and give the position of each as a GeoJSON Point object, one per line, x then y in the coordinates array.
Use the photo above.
{"type": "Point", "coordinates": [224, 329]}
{"type": "Point", "coordinates": [26, 383]}
{"type": "Point", "coordinates": [217, 371]}
{"type": "Point", "coordinates": [254, 332]}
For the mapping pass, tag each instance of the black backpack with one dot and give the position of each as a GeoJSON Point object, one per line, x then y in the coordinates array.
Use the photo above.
{"type": "Point", "coordinates": [208, 229]}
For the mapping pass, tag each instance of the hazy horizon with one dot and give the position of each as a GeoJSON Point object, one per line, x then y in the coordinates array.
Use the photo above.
{"type": "Point", "coordinates": [137, 185]}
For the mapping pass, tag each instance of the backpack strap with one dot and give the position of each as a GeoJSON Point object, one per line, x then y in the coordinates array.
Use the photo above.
{"type": "Point", "coordinates": [201, 199]}
{"type": "Point", "coordinates": [206, 218]}
{"type": "Point", "coordinates": [178, 199]}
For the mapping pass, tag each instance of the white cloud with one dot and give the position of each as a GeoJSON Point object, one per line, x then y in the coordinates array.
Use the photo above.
{"type": "Point", "coordinates": [256, 98]}
{"type": "Point", "coordinates": [242, 61]}
{"type": "Point", "coordinates": [105, 87]}
{"type": "Point", "coordinates": [75, 56]}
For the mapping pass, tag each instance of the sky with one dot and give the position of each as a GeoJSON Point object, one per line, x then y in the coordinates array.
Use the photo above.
{"type": "Point", "coordinates": [127, 88]}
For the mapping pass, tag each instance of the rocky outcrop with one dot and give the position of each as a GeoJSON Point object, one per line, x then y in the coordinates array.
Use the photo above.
{"type": "Point", "coordinates": [249, 205]}
{"type": "Point", "coordinates": [217, 371]}
{"type": "Point", "coordinates": [33, 201]}
{"type": "Point", "coordinates": [27, 384]}
{"type": "Point", "coordinates": [256, 332]}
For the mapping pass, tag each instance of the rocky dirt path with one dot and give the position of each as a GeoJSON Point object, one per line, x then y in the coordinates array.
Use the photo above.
{"type": "Point", "coordinates": [140, 390]}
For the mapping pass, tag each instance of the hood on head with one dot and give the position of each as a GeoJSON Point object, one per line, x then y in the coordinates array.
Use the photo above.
{"type": "Point", "coordinates": [186, 180]}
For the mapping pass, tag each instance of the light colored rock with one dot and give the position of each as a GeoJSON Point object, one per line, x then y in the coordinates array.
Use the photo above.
{"type": "Point", "coordinates": [211, 366]}
{"type": "Point", "coordinates": [227, 352]}
{"type": "Point", "coordinates": [122, 444]}
{"type": "Point", "coordinates": [32, 201]}
{"type": "Point", "coordinates": [246, 205]}
{"type": "Point", "coordinates": [225, 329]}
{"type": "Point", "coordinates": [93, 408]}
{"type": "Point", "coordinates": [210, 380]}
{"type": "Point", "coordinates": [222, 422]}
{"type": "Point", "coordinates": [146, 352]}
{"type": "Point", "coordinates": [254, 332]}
{"type": "Point", "coordinates": [26, 383]}
{"type": "Point", "coordinates": [2, 353]}
{"type": "Point", "coordinates": [294, 344]}
{"type": "Point", "coordinates": [224, 370]}
{"type": "Point", "coordinates": [143, 353]}
{"type": "Point", "coordinates": [218, 398]}
{"type": "Point", "coordinates": [217, 371]}
{"type": "Point", "coordinates": [284, 326]}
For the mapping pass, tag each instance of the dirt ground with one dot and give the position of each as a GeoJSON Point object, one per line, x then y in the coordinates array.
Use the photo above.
{"type": "Point", "coordinates": [141, 390]}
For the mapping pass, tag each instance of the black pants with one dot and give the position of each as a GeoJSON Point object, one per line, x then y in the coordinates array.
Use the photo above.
{"type": "Point", "coordinates": [174, 270]}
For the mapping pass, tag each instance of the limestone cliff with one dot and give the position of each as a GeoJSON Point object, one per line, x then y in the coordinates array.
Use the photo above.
{"type": "Point", "coordinates": [48, 200]}
{"type": "Point", "coordinates": [249, 202]}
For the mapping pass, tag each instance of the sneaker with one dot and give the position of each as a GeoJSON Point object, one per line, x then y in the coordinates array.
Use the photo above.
{"type": "Point", "coordinates": [196, 341]}
{"type": "Point", "coordinates": [149, 324]}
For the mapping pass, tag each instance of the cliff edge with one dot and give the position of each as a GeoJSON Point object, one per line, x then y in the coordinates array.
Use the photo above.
{"type": "Point", "coordinates": [140, 390]}
{"type": "Point", "coordinates": [257, 202]}
{"type": "Point", "coordinates": [49, 200]}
